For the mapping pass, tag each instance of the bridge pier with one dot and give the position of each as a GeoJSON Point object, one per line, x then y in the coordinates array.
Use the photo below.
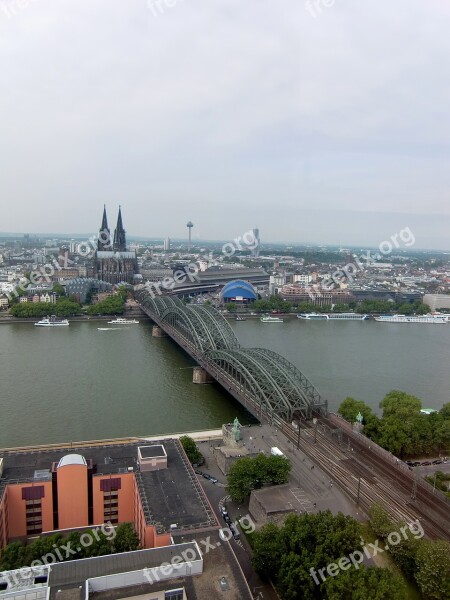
{"type": "Point", "coordinates": [201, 376]}
{"type": "Point", "coordinates": [158, 332]}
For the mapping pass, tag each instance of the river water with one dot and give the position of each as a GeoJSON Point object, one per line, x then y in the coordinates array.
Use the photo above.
{"type": "Point", "coordinates": [79, 383]}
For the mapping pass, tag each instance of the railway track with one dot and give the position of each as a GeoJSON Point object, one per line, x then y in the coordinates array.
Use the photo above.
{"type": "Point", "coordinates": [377, 481]}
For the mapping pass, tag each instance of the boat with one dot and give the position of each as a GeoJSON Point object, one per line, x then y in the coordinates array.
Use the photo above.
{"type": "Point", "coordinates": [350, 316]}
{"type": "Point", "coordinates": [268, 319]}
{"type": "Point", "coordinates": [109, 328]}
{"type": "Point", "coordinates": [433, 319]}
{"type": "Point", "coordinates": [52, 321]}
{"type": "Point", "coordinates": [120, 321]}
{"type": "Point", "coordinates": [240, 318]}
{"type": "Point", "coordinates": [332, 316]}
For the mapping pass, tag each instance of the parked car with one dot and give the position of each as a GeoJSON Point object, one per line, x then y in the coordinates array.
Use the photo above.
{"type": "Point", "coordinates": [426, 463]}
{"type": "Point", "coordinates": [438, 461]}
{"type": "Point", "coordinates": [410, 463]}
{"type": "Point", "coordinates": [198, 472]}
{"type": "Point", "coordinates": [210, 477]}
{"type": "Point", "coordinates": [234, 532]}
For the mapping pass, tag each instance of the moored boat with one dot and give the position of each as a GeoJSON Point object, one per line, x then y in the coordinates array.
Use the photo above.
{"type": "Point", "coordinates": [52, 321]}
{"type": "Point", "coordinates": [430, 319]}
{"type": "Point", "coordinates": [269, 319]}
{"type": "Point", "coordinates": [121, 321]}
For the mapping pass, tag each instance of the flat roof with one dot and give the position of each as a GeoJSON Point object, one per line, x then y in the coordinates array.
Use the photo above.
{"type": "Point", "coordinates": [75, 572]}
{"type": "Point", "coordinates": [169, 496]}
{"type": "Point", "coordinates": [154, 451]}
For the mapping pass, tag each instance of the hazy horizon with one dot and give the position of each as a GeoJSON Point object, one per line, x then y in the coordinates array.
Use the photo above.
{"type": "Point", "coordinates": [328, 128]}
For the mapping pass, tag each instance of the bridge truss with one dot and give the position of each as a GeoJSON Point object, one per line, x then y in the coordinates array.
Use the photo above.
{"type": "Point", "coordinates": [270, 381]}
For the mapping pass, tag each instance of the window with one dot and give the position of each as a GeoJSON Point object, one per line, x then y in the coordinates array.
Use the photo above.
{"type": "Point", "coordinates": [174, 594]}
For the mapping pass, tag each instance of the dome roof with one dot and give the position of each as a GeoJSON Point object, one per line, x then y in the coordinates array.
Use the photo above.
{"type": "Point", "coordinates": [72, 459]}
{"type": "Point", "coordinates": [240, 288]}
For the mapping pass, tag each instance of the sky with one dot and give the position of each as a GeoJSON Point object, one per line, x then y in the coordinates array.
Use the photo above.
{"type": "Point", "coordinates": [318, 122]}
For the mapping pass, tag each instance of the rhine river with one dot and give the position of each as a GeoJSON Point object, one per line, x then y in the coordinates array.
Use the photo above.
{"type": "Point", "coordinates": [79, 383]}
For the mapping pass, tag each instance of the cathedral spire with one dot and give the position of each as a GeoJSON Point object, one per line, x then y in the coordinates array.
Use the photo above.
{"type": "Point", "coordinates": [104, 235]}
{"type": "Point", "coordinates": [120, 244]}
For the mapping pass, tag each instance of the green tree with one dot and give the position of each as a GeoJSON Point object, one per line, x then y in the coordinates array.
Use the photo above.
{"type": "Point", "coordinates": [126, 538]}
{"type": "Point", "coordinates": [248, 474]}
{"type": "Point", "coordinates": [350, 407]}
{"type": "Point", "coordinates": [231, 307]}
{"type": "Point", "coordinates": [303, 543]}
{"type": "Point", "coordinates": [190, 447]}
{"type": "Point", "coordinates": [433, 569]}
{"type": "Point", "coordinates": [59, 289]}
{"type": "Point", "coordinates": [373, 583]}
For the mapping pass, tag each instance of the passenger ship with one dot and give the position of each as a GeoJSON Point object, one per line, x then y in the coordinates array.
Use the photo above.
{"type": "Point", "coordinates": [434, 319]}
{"type": "Point", "coordinates": [332, 317]}
{"type": "Point", "coordinates": [52, 321]}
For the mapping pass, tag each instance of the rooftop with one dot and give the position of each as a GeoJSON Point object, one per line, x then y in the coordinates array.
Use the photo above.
{"type": "Point", "coordinates": [170, 496]}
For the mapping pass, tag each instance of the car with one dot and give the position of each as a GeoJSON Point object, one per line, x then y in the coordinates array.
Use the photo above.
{"type": "Point", "coordinates": [234, 532]}
{"type": "Point", "coordinates": [210, 477]}
{"type": "Point", "coordinates": [416, 464]}
{"type": "Point", "coordinates": [224, 511]}
{"type": "Point", "coordinates": [227, 519]}
{"type": "Point", "coordinates": [198, 472]}
{"type": "Point", "coordinates": [410, 463]}
{"type": "Point", "coordinates": [426, 463]}
{"type": "Point", "coordinates": [438, 461]}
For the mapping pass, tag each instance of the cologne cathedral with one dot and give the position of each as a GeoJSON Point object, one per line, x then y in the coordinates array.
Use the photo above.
{"type": "Point", "coordinates": [113, 263]}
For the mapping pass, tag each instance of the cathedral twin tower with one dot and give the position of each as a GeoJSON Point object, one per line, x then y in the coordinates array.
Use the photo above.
{"type": "Point", "coordinates": [104, 238]}
{"type": "Point", "coordinates": [113, 263]}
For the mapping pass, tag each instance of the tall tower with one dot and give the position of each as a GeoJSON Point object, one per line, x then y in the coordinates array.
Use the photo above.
{"type": "Point", "coordinates": [190, 225]}
{"type": "Point", "coordinates": [256, 242]}
{"type": "Point", "coordinates": [120, 244]}
{"type": "Point", "coordinates": [104, 235]}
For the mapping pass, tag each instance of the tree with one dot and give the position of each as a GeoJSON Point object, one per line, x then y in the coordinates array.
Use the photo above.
{"type": "Point", "coordinates": [126, 538]}
{"type": "Point", "coordinates": [311, 541]}
{"type": "Point", "coordinates": [349, 408]}
{"type": "Point", "coordinates": [248, 474]}
{"type": "Point", "coordinates": [190, 447]}
{"type": "Point", "coordinates": [433, 569]}
{"type": "Point", "coordinates": [59, 289]}
{"type": "Point", "coordinates": [400, 404]}
{"type": "Point", "coordinates": [373, 583]}
{"type": "Point", "coordinates": [231, 306]}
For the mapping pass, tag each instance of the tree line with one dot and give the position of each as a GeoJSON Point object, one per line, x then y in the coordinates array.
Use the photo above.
{"type": "Point", "coordinates": [17, 554]}
{"type": "Point", "coordinates": [402, 429]}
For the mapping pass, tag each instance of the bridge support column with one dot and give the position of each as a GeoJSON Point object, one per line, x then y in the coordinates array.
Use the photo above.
{"type": "Point", "coordinates": [201, 376]}
{"type": "Point", "coordinates": [158, 332]}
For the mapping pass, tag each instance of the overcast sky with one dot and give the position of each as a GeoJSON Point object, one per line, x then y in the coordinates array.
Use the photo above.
{"type": "Point", "coordinates": [327, 124]}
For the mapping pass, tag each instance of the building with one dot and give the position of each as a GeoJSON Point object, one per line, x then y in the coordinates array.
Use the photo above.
{"type": "Point", "coordinates": [437, 301]}
{"type": "Point", "coordinates": [239, 291]}
{"type": "Point", "coordinates": [3, 302]}
{"type": "Point", "coordinates": [167, 244]}
{"type": "Point", "coordinates": [113, 263]}
{"type": "Point", "coordinates": [151, 484]}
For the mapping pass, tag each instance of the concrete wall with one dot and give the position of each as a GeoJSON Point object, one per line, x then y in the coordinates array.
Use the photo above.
{"type": "Point", "coordinates": [436, 301]}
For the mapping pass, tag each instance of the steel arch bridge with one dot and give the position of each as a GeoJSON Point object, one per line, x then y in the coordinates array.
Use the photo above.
{"type": "Point", "coordinates": [257, 376]}
{"type": "Point", "coordinates": [275, 384]}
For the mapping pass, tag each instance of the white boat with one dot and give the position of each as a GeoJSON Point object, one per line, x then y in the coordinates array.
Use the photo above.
{"type": "Point", "coordinates": [433, 319]}
{"type": "Point", "coordinates": [120, 321]}
{"type": "Point", "coordinates": [332, 316]}
{"type": "Point", "coordinates": [350, 316]}
{"type": "Point", "coordinates": [268, 319]}
{"type": "Point", "coordinates": [109, 328]}
{"type": "Point", "coordinates": [313, 316]}
{"type": "Point", "coordinates": [52, 321]}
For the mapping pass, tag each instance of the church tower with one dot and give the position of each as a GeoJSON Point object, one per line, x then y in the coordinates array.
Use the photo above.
{"type": "Point", "coordinates": [104, 235]}
{"type": "Point", "coordinates": [120, 244]}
